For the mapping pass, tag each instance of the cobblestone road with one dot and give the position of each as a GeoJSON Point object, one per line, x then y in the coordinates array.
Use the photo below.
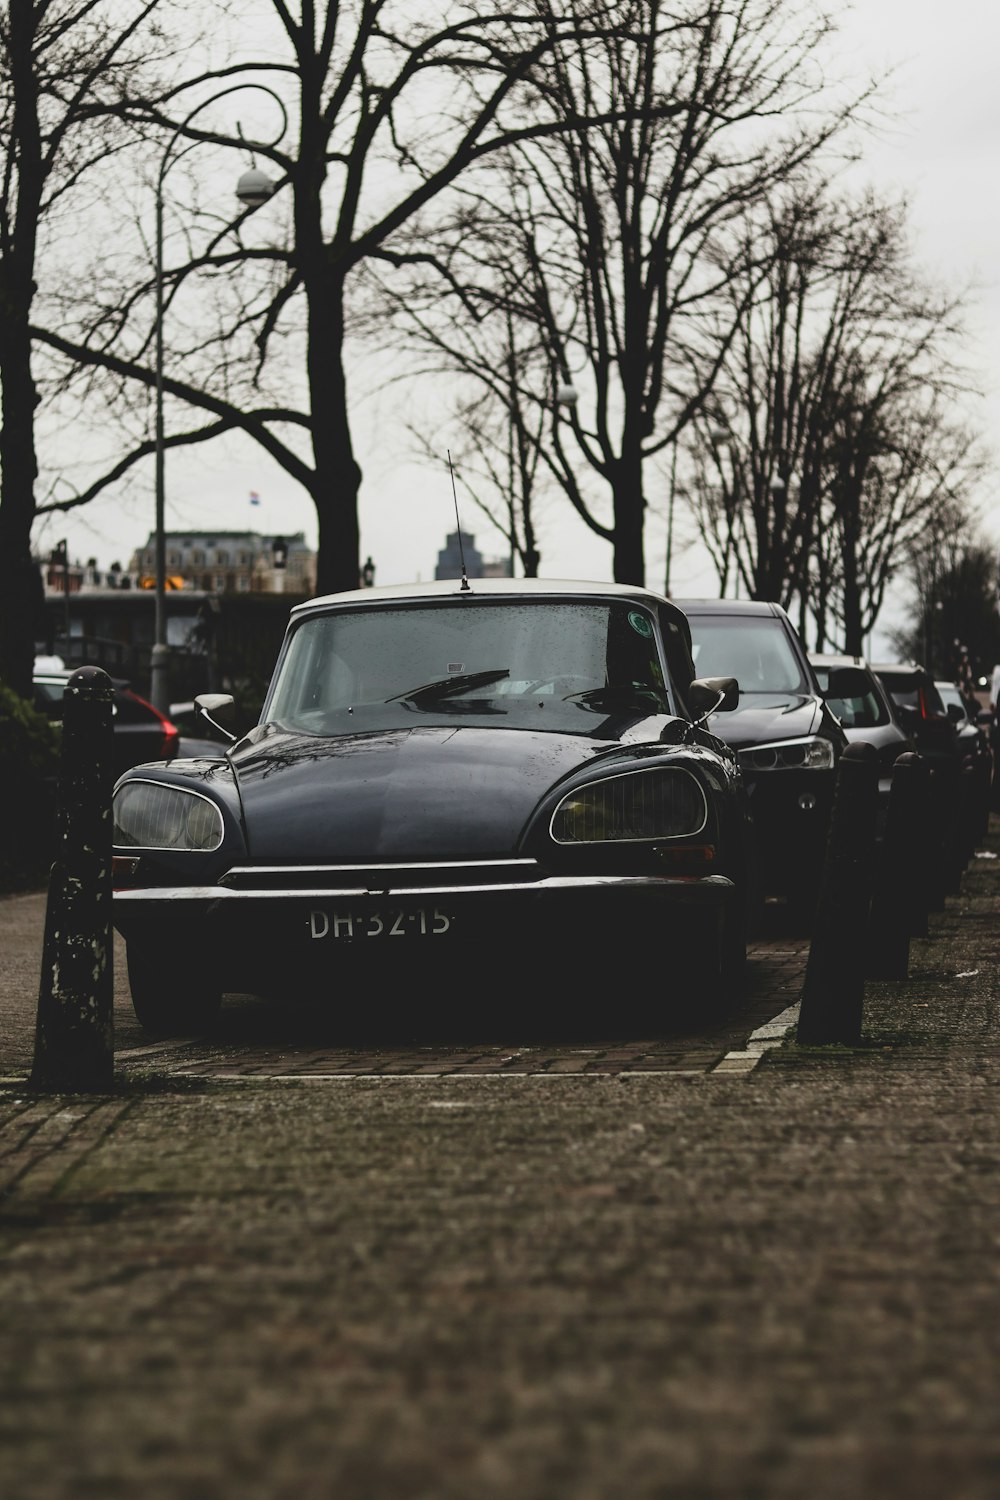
{"type": "Point", "coordinates": [255, 1040]}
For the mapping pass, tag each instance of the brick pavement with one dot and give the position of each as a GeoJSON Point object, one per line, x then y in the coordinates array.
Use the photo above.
{"type": "Point", "coordinates": [778, 1283]}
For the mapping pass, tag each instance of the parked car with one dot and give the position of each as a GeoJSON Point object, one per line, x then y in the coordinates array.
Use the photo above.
{"type": "Point", "coordinates": [922, 711]}
{"type": "Point", "coordinates": [788, 740]}
{"type": "Point", "coordinates": [450, 782]}
{"type": "Point", "coordinates": [866, 711]}
{"type": "Point", "coordinates": [140, 732]}
{"type": "Point", "coordinates": [972, 729]}
{"type": "Point", "coordinates": [975, 746]}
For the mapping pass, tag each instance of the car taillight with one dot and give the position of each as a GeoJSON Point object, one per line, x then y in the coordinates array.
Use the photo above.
{"type": "Point", "coordinates": [170, 734]}
{"type": "Point", "coordinates": [925, 712]}
{"type": "Point", "coordinates": [171, 739]}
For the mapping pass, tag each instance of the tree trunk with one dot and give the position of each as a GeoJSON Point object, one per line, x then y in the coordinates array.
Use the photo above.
{"type": "Point", "coordinates": [629, 513]}
{"type": "Point", "coordinates": [20, 584]}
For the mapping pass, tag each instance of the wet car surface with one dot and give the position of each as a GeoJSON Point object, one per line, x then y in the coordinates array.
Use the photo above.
{"type": "Point", "coordinates": [463, 787]}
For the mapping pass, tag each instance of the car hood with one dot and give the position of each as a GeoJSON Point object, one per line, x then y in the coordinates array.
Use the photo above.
{"type": "Point", "coordinates": [410, 794]}
{"type": "Point", "coordinates": [762, 718]}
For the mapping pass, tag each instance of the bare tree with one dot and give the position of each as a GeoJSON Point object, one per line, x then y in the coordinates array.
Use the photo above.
{"type": "Point", "coordinates": [64, 65]}
{"type": "Point", "coordinates": [388, 110]}
{"type": "Point", "coordinates": [827, 447]}
{"type": "Point", "coordinates": [616, 243]}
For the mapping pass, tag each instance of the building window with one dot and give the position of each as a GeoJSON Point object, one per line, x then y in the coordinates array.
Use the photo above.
{"type": "Point", "coordinates": [222, 559]}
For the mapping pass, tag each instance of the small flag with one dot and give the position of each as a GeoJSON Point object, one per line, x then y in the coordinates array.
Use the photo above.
{"type": "Point", "coordinates": [254, 498]}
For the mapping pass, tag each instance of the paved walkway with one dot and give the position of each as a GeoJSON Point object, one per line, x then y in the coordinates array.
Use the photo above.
{"type": "Point", "coordinates": [514, 1285]}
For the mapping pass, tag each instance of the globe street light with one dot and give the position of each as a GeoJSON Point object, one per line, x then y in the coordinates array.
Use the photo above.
{"type": "Point", "coordinates": [253, 189]}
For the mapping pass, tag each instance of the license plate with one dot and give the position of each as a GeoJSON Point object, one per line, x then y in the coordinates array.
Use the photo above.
{"type": "Point", "coordinates": [415, 921]}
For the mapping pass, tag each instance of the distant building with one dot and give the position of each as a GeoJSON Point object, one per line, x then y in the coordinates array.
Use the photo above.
{"type": "Point", "coordinates": [107, 617]}
{"type": "Point", "coordinates": [230, 562]}
{"type": "Point", "coordinates": [449, 563]}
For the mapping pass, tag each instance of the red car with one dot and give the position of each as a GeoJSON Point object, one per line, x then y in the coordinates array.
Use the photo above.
{"type": "Point", "coordinates": [141, 732]}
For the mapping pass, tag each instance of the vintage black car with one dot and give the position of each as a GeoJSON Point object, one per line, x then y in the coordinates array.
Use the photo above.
{"type": "Point", "coordinates": [503, 780]}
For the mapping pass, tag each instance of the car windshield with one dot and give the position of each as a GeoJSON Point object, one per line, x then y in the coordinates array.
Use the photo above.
{"type": "Point", "coordinates": [373, 666]}
{"type": "Point", "coordinates": [755, 650]}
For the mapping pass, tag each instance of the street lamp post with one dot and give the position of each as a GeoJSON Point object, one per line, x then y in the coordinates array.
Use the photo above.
{"type": "Point", "coordinates": [279, 555]}
{"type": "Point", "coordinates": [60, 556]}
{"type": "Point", "coordinates": [252, 189]}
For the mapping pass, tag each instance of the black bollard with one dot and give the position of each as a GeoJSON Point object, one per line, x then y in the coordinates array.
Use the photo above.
{"type": "Point", "coordinates": [834, 985]}
{"type": "Point", "coordinates": [955, 813]}
{"type": "Point", "coordinates": [924, 854]}
{"type": "Point", "coordinates": [898, 906]}
{"type": "Point", "coordinates": [939, 810]}
{"type": "Point", "coordinates": [74, 1036]}
{"type": "Point", "coordinates": [970, 810]}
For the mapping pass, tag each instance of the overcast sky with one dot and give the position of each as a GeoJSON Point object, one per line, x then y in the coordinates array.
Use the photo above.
{"type": "Point", "coordinates": [942, 150]}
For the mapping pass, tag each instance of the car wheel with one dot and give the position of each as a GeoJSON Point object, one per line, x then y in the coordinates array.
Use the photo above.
{"type": "Point", "coordinates": [164, 1005]}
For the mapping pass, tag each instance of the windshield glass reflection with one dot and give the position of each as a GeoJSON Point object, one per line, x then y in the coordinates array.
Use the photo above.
{"type": "Point", "coordinates": [570, 660]}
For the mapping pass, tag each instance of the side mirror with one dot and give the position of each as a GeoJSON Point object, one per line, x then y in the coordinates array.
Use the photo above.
{"type": "Point", "coordinates": [955, 712]}
{"type": "Point", "coordinates": [219, 709]}
{"type": "Point", "coordinates": [847, 682]}
{"type": "Point", "coordinates": [709, 695]}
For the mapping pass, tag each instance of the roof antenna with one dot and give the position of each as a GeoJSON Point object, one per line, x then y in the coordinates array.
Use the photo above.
{"type": "Point", "coordinates": [461, 545]}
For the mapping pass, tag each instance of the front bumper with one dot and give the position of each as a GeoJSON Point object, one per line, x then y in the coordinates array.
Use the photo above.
{"type": "Point", "coordinates": [261, 933]}
{"type": "Point", "coordinates": [791, 811]}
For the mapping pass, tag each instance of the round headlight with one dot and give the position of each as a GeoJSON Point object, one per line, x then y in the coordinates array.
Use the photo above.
{"type": "Point", "coordinates": [151, 815]}
{"type": "Point", "coordinates": [657, 804]}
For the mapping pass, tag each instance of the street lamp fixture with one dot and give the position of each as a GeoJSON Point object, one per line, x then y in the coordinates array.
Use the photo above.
{"type": "Point", "coordinates": [252, 189]}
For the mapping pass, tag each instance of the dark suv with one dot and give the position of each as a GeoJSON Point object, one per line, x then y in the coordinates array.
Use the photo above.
{"type": "Point", "coordinates": [865, 708]}
{"type": "Point", "coordinates": [788, 741]}
{"type": "Point", "coordinates": [922, 711]}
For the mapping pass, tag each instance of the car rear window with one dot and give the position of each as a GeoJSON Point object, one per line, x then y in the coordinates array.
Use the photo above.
{"type": "Point", "coordinates": [906, 688]}
{"type": "Point", "coordinates": [864, 712]}
{"type": "Point", "coordinates": [756, 651]}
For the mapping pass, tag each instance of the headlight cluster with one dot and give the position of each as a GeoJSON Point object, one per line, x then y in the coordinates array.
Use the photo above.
{"type": "Point", "coordinates": [812, 754]}
{"type": "Point", "coordinates": [656, 804]}
{"type": "Point", "coordinates": [152, 815]}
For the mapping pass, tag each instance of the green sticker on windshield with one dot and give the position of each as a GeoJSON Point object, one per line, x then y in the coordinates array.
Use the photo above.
{"type": "Point", "coordinates": [639, 623]}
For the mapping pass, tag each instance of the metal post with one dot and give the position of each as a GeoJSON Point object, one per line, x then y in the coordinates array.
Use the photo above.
{"type": "Point", "coordinates": [74, 1038]}
{"type": "Point", "coordinates": [833, 989]}
{"type": "Point", "coordinates": [253, 189]}
{"type": "Point", "coordinates": [898, 908]}
{"type": "Point", "coordinates": [159, 690]}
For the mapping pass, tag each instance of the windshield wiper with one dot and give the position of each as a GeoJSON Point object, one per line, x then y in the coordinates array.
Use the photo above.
{"type": "Point", "coordinates": [612, 693]}
{"type": "Point", "coordinates": [447, 687]}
